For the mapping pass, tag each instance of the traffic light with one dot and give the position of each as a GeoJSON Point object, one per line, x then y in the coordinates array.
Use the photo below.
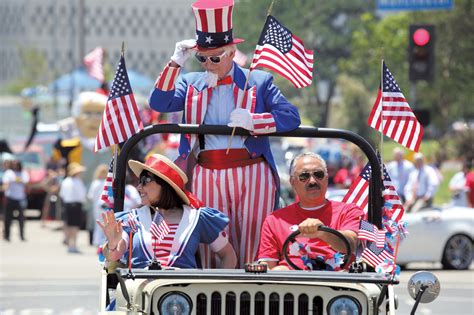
{"type": "Point", "coordinates": [421, 52]}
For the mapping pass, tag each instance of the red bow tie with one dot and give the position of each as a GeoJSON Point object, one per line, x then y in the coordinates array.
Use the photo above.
{"type": "Point", "coordinates": [226, 80]}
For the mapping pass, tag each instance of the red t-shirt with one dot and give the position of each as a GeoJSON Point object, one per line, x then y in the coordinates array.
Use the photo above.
{"type": "Point", "coordinates": [470, 186]}
{"type": "Point", "coordinates": [277, 227]}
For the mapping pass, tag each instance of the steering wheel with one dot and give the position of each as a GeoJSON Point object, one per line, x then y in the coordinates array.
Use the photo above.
{"type": "Point", "coordinates": [291, 239]}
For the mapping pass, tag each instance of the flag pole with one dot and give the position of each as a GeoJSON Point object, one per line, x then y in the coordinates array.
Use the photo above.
{"type": "Point", "coordinates": [381, 115]}
{"type": "Point", "coordinates": [117, 146]}
{"type": "Point", "coordinates": [269, 11]}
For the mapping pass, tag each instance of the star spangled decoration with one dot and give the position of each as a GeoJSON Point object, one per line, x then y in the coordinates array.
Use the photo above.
{"type": "Point", "coordinates": [121, 119]}
{"type": "Point", "coordinates": [335, 261]}
{"type": "Point", "coordinates": [280, 50]}
{"type": "Point", "coordinates": [131, 222]}
{"type": "Point", "coordinates": [392, 116]}
{"type": "Point", "coordinates": [368, 231]}
{"type": "Point", "coordinates": [121, 84]}
{"type": "Point", "coordinates": [278, 36]}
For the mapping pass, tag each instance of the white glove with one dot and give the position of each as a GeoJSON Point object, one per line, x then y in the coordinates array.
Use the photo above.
{"type": "Point", "coordinates": [240, 117]}
{"type": "Point", "coordinates": [183, 50]}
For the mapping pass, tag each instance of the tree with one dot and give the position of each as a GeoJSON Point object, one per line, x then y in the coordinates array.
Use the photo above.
{"type": "Point", "coordinates": [450, 96]}
{"type": "Point", "coordinates": [325, 26]}
{"type": "Point", "coordinates": [34, 70]}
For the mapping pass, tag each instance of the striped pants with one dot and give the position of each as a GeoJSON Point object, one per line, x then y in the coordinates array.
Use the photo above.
{"type": "Point", "coordinates": [246, 195]}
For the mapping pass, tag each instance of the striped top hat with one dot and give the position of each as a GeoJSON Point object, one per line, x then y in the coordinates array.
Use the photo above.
{"type": "Point", "coordinates": [214, 23]}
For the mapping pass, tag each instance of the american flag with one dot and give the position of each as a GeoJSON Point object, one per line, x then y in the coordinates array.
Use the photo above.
{"type": "Point", "coordinates": [121, 119]}
{"type": "Point", "coordinates": [358, 193]}
{"type": "Point", "coordinates": [108, 192]}
{"type": "Point", "coordinates": [392, 115]}
{"type": "Point", "coordinates": [375, 256]}
{"type": "Point", "coordinates": [132, 222]}
{"type": "Point", "coordinates": [393, 205]}
{"type": "Point", "coordinates": [368, 231]}
{"type": "Point", "coordinates": [159, 228]}
{"type": "Point", "coordinates": [94, 62]}
{"type": "Point", "coordinates": [281, 51]}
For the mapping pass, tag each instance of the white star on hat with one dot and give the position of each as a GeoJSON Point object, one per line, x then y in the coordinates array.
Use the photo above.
{"type": "Point", "coordinates": [209, 39]}
{"type": "Point", "coordinates": [226, 38]}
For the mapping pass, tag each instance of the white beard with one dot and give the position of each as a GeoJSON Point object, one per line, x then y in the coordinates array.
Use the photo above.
{"type": "Point", "coordinates": [211, 79]}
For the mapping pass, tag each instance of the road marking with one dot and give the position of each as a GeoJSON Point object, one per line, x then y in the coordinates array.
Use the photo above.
{"type": "Point", "coordinates": [35, 294]}
{"type": "Point", "coordinates": [45, 311]}
{"type": "Point", "coordinates": [24, 283]}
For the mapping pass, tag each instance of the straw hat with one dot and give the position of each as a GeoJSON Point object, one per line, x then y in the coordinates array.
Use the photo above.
{"type": "Point", "coordinates": [75, 168]}
{"type": "Point", "coordinates": [165, 169]}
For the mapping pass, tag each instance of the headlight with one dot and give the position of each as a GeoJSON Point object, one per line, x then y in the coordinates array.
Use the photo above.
{"type": "Point", "coordinates": [175, 303]}
{"type": "Point", "coordinates": [344, 305]}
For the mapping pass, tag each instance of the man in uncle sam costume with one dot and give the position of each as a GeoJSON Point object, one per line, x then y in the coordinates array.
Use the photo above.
{"type": "Point", "coordinates": [243, 183]}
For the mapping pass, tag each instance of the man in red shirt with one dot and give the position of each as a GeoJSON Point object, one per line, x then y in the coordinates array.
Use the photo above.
{"type": "Point", "coordinates": [309, 179]}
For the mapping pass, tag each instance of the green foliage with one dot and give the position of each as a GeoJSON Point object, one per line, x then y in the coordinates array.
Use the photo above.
{"type": "Point", "coordinates": [34, 70]}
{"type": "Point", "coordinates": [450, 95]}
{"type": "Point", "coordinates": [325, 26]}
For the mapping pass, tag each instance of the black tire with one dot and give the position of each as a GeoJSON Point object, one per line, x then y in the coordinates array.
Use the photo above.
{"type": "Point", "coordinates": [457, 253]}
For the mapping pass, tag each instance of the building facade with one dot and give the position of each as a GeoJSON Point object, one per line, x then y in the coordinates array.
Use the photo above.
{"type": "Point", "coordinates": [63, 31]}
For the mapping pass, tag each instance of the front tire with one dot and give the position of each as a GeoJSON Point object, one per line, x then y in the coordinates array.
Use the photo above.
{"type": "Point", "coordinates": [457, 253]}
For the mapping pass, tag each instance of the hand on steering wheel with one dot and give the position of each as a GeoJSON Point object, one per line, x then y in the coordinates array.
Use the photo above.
{"type": "Point", "coordinates": [291, 239]}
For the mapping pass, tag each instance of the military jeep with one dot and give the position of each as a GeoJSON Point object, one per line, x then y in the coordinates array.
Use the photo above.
{"type": "Point", "coordinates": [256, 290]}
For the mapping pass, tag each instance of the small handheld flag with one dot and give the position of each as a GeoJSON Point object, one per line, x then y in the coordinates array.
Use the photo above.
{"type": "Point", "coordinates": [159, 228]}
{"type": "Point", "coordinates": [121, 119]}
{"type": "Point", "coordinates": [392, 116]}
{"type": "Point", "coordinates": [281, 51]}
{"type": "Point", "coordinates": [108, 192]}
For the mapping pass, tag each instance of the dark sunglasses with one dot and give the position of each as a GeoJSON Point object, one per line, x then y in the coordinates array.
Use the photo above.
{"type": "Point", "coordinates": [304, 176]}
{"type": "Point", "coordinates": [213, 59]}
{"type": "Point", "coordinates": [144, 180]}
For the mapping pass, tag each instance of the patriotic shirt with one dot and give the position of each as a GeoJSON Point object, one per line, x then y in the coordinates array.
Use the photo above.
{"type": "Point", "coordinates": [203, 225]}
{"type": "Point", "coordinates": [162, 249]}
{"type": "Point", "coordinates": [277, 227]}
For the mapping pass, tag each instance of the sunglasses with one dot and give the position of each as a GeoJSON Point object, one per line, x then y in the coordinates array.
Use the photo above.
{"type": "Point", "coordinates": [144, 180]}
{"type": "Point", "coordinates": [304, 176]}
{"type": "Point", "coordinates": [213, 59]}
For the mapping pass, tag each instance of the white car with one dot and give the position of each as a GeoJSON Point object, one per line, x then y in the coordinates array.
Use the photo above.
{"type": "Point", "coordinates": [434, 235]}
{"type": "Point", "coordinates": [439, 235]}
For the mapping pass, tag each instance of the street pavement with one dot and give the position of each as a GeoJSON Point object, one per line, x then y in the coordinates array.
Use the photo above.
{"type": "Point", "coordinates": [38, 276]}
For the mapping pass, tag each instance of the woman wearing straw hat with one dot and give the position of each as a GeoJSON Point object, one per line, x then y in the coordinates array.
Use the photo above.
{"type": "Point", "coordinates": [73, 194]}
{"type": "Point", "coordinates": [169, 226]}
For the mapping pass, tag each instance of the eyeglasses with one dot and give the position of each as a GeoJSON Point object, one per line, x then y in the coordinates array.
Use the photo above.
{"type": "Point", "coordinates": [213, 59]}
{"type": "Point", "coordinates": [144, 180]}
{"type": "Point", "coordinates": [304, 176]}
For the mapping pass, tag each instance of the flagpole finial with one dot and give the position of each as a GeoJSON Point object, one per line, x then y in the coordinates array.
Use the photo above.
{"type": "Point", "coordinates": [270, 8]}
{"type": "Point", "coordinates": [123, 48]}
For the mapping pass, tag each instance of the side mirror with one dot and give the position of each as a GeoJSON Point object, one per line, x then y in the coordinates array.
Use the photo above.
{"type": "Point", "coordinates": [423, 287]}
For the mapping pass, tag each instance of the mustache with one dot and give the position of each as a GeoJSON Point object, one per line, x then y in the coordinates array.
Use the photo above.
{"type": "Point", "coordinates": [314, 185]}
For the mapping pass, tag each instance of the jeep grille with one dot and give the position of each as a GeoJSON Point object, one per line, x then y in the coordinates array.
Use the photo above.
{"type": "Point", "coordinates": [251, 298]}
{"type": "Point", "coordinates": [230, 303]}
